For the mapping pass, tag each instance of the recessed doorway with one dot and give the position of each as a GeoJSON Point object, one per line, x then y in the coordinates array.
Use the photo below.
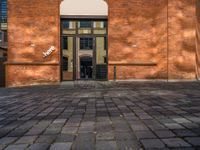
{"type": "Point", "coordinates": [86, 68]}
{"type": "Point", "coordinates": [84, 48]}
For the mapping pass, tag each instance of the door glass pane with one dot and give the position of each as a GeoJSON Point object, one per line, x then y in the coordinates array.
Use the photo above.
{"type": "Point", "coordinates": [86, 43]}
{"type": "Point", "coordinates": [84, 58]}
{"type": "Point", "coordinates": [67, 59]}
{"type": "Point", "coordinates": [101, 58]}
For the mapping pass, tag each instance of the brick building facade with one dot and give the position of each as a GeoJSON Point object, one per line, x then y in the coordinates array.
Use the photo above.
{"type": "Point", "coordinates": [147, 39]}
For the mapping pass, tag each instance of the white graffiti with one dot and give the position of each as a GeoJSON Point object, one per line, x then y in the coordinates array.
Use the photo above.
{"type": "Point", "coordinates": [49, 51]}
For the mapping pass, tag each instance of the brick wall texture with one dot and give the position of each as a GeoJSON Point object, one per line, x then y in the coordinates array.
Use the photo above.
{"type": "Point", "coordinates": [161, 32]}
{"type": "Point", "coordinates": [33, 27]}
{"type": "Point", "coordinates": [147, 39]}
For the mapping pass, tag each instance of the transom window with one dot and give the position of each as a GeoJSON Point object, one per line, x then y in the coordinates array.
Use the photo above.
{"type": "Point", "coordinates": [65, 24]}
{"type": "Point", "coordinates": [86, 43]}
{"type": "Point", "coordinates": [85, 24]}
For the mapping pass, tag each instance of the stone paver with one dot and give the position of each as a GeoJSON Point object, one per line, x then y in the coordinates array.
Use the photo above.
{"type": "Point", "coordinates": [61, 146]}
{"type": "Point", "coordinates": [39, 146]}
{"type": "Point", "coordinates": [194, 140]}
{"type": "Point", "coordinates": [86, 115]}
{"type": "Point", "coordinates": [17, 147]}
{"type": "Point", "coordinates": [106, 145]}
{"type": "Point", "coordinates": [175, 142]}
{"type": "Point", "coordinates": [153, 144]}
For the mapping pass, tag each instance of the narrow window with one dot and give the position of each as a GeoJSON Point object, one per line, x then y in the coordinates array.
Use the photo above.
{"type": "Point", "coordinates": [65, 43]}
{"type": "Point", "coordinates": [105, 60]}
{"type": "Point", "coordinates": [65, 63]}
{"type": "Point", "coordinates": [5, 37]}
{"type": "Point", "coordinates": [105, 24]}
{"type": "Point", "coordinates": [105, 43]}
{"type": "Point", "coordinates": [1, 35]}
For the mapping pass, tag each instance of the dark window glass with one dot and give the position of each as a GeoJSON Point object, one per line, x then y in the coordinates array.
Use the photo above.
{"type": "Point", "coordinates": [1, 35]}
{"type": "Point", "coordinates": [3, 12]}
{"type": "Point", "coordinates": [65, 63]}
{"type": "Point", "coordinates": [86, 43]}
{"type": "Point", "coordinates": [65, 24]}
{"type": "Point", "coordinates": [5, 37]}
{"type": "Point", "coordinates": [85, 24]}
{"type": "Point", "coordinates": [105, 60]}
{"type": "Point", "coordinates": [4, 55]}
{"type": "Point", "coordinates": [105, 24]}
{"type": "Point", "coordinates": [105, 43]}
{"type": "Point", "coordinates": [65, 43]}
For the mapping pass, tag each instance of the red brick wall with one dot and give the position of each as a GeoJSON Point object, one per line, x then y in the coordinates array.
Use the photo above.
{"type": "Point", "coordinates": [152, 39]}
{"type": "Point", "coordinates": [33, 27]}
{"type": "Point", "coordinates": [22, 75]}
{"type": "Point", "coordinates": [148, 39]}
{"type": "Point", "coordinates": [137, 39]}
{"type": "Point", "coordinates": [182, 44]}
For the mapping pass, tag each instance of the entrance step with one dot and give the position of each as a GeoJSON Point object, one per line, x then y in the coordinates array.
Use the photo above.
{"type": "Point", "coordinates": [83, 84]}
{"type": "Point", "coordinates": [67, 85]}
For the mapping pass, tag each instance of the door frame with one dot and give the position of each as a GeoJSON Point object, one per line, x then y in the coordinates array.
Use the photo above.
{"type": "Point", "coordinates": [74, 18]}
{"type": "Point", "coordinates": [61, 57]}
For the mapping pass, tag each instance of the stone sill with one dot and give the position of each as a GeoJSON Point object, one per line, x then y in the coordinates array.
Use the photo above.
{"type": "Point", "coordinates": [32, 63]}
{"type": "Point", "coordinates": [133, 64]}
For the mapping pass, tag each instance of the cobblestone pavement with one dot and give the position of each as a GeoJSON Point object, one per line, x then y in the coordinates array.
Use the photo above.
{"type": "Point", "coordinates": [101, 116]}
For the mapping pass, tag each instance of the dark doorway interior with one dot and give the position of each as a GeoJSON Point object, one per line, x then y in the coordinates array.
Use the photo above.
{"type": "Point", "coordinates": [86, 68]}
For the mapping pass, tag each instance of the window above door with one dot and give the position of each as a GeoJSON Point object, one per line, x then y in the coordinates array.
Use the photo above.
{"type": "Point", "coordinates": [86, 43]}
{"type": "Point", "coordinates": [85, 24]}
